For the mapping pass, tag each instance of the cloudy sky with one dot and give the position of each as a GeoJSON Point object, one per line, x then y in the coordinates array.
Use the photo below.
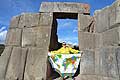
{"type": "Point", "coordinates": [10, 8]}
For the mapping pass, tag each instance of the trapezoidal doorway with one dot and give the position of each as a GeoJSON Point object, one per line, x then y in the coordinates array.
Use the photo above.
{"type": "Point", "coordinates": [64, 29]}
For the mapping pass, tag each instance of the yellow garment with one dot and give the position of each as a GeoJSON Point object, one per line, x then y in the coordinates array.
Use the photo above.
{"type": "Point", "coordinates": [65, 50]}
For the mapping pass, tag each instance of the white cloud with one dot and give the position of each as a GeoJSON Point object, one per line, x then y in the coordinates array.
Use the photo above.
{"type": "Point", "coordinates": [67, 24]}
{"type": "Point", "coordinates": [3, 36]}
{"type": "Point", "coordinates": [75, 29]}
{"type": "Point", "coordinates": [70, 40]}
{"type": "Point", "coordinates": [3, 28]}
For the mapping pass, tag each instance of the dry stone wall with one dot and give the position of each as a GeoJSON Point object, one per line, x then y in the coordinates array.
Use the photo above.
{"type": "Point", "coordinates": [27, 43]}
{"type": "Point", "coordinates": [32, 34]}
{"type": "Point", "coordinates": [100, 60]}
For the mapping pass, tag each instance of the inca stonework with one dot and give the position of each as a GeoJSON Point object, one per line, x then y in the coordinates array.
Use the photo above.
{"type": "Point", "coordinates": [31, 35]}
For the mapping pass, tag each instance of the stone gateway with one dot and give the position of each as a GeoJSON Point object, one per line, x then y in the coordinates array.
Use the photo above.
{"type": "Point", "coordinates": [31, 35]}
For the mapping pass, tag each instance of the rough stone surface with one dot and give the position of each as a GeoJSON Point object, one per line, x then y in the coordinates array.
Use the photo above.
{"type": "Point", "coordinates": [84, 22]}
{"type": "Point", "coordinates": [13, 37]}
{"type": "Point", "coordinates": [46, 19]}
{"type": "Point", "coordinates": [64, 7]}
{"type": "Point", "coordinates": [117, 51]}
{"type": "Point", "coordinates": [107, 18]}
{"type": "Point", "coordinates": [108, 78]}
{"type": "Point", "coordinates": [36, 36]}
{"type": "Point", "coordinates": [114, 14]}
{"type": "Point", "coordinates": [14, 22]}
{"type": "Point", "coordinates": [43, 37]}
{"type": "Point", "coordinates": [29, 20]}
{"type": "Point", "coordinates": [16, 64]}
{"type": "Point", "coordinates": [86, 77]}
{"type": "Point", "coordinates": [102, 20]}
{"type": "Point", "coordinates": [87, 64]}
{"type": "Point", "coordinates": [36, 64]}
{"type": "Point", "coordinates": [31, 35]}
{"type": "Point", "coordinates": [106, 62]}
{"type": "Point", "coordinates": [4, 60]}
{"type": "Point", "coordinates": [86, 40]}
{"type": "Point", "coordinates": [111, 37]}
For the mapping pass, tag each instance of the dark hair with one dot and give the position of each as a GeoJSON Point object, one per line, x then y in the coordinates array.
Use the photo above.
{"type": "Point", "coordinates": [63, 43]}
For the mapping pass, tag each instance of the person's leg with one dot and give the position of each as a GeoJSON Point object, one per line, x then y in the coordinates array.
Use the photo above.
{"type": "Point", "coordinates": [77, 72]}
{"type": "Point", "coordinates": [49, 70]}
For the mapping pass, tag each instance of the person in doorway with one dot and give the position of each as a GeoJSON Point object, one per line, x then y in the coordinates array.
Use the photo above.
{"type": "Point", "coordinates": [65, 49]}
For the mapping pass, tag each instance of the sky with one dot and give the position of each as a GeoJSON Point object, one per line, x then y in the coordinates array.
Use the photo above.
{"type": "Point", "coordinates": [10, 8]}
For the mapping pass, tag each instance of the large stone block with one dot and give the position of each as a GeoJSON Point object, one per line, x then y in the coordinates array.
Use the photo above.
{"type": "Point", "coordinates": [64, 7]}
{"type": "Point", "coordinates": [46, 19]}
{"type": "Point", "coordinates": [106, 62]}
{"type": "Point", "coordinates": [114, 12]}
{"type": "Point", "coordinates": [36, 36]}
{"type": "Point", "coordinates": [43, 40]}
{"type": "Point", "coordinates": [117, 51]}
{"type": "Point", "coordinates": [14, 21]}
{"type": "Point", "coordinates": [4, 60]}
{"type": "Point", "coordinates": [13, 37]}
{"type": "Point", "coordinates": [87, 64]}
{"type": "Point", "coordinates": [16, 64]}
{"type": "Point", "coordinates": [36, 64]}
{"type": "Point", "coordinates": [86, 77]}
{"type": "Point", "coordinates": [108, 78]}
{"type": "Point", "coordinates": [29, 20]}
{"type": "Point", "coordinates": [29, 37]}
{"type": "Point", "coordinates": [102, 20]}
{"type": "Point", "coordinates": [111, 37]}
{"type": "Point", "coordinates": [86, 40]}
{"type": "Point", "coordinates": [108, 17]}
{"type": "Point", "coordinates": [84, 22]}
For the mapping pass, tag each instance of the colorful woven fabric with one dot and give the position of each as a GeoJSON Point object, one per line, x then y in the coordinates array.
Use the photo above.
{"type": "Point", "coordinates": [65, 64]}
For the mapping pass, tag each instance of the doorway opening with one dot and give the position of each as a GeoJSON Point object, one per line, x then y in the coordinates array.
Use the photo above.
{"type": "Point", "coordinates": [64, 29]}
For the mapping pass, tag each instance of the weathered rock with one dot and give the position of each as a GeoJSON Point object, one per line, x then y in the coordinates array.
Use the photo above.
{"type": "Point", "coordinates": [4, 60]}
{"type": "Point", "coordinates": [36, 64]}
{"type": "Point", "coordinates": [87, 64]}
{"type": "Point", "coordinates": [86, 40]}
{"type": "Point", "coordinates": [64, 7]}
{"type": "Point", "coordinates": [117, 51]}
{"type": "Point", "coordinates": [108, 78]}
{"type": "Point", "coordinates": [114, 14]}
{"type": "Point", "coordinates": [106, 64]}
{"type": "Point", "coordinates": [111, 37]}
{"type": "Point", "coordinates": [29, 37]}
{"type": "Point", "coordinates": [84, 22]}
{"type": "Point", "coordinates": [13, 37]}
{"type": "Point", "coordinates": [14, 22]}
{"type": "Point", "coordinates": [29, 20]}
{"type": "Point", "coordinates": [86, 77]}
{"type": "Point", "coordinates": [102, 20]}
{"type": "Point", "coordinates": [16, 64]}
{"type": "Point", "coordinates": [46, 19]}
{"type": "Point", "coordinates": [107, 18]}
{"type": "Point", "coordinates": [36, 36]}
{"type": "Point", "coordinates": [43, 37]}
